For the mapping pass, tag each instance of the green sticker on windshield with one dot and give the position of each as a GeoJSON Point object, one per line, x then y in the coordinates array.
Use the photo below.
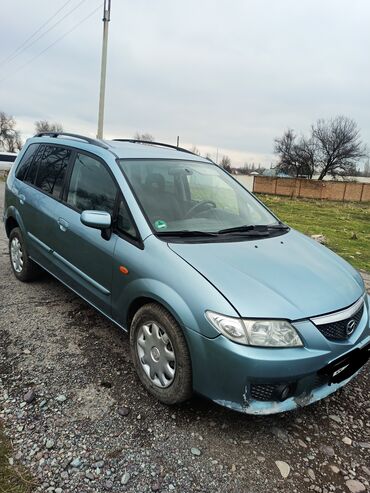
{"type": "Point", "coordinates": [160, 224]}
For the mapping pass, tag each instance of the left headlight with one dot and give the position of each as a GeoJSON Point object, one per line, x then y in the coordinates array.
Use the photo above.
{"type": "Point", "coordinates": [263, 333]}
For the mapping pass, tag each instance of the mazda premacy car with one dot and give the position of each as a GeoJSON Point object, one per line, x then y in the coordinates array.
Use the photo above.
{"type": "Point", "coordinates": [218, 296]}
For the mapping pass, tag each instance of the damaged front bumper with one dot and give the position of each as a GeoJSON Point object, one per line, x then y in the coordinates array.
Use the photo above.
{"type": "Point", "coordinates": [263, 408]}
{"type": "Point", "coordinates": [262, 381]}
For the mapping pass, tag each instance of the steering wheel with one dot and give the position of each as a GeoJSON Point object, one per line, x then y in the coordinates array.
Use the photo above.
{"type": "Point", "coordinates": [200, 205]}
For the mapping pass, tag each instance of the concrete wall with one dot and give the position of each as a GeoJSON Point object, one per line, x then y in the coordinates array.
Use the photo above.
{"type": "Point", "coordinates": [313, 189]}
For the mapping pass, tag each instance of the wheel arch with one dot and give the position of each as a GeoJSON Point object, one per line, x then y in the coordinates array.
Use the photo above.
{"type": "Point", "coordinates": [13, 220]}
{"type": "Point", "coordinates": [10, 224]}
{"type": "Point", "coordinates": [135, 305]}
{"type": "Point", "coordinates": [140, 301]}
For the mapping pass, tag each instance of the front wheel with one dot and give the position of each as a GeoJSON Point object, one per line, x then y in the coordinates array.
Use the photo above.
{"type": "Point", "coordinates": [160, 354]}
{"type": "Point", "coordinates": [23, 268]}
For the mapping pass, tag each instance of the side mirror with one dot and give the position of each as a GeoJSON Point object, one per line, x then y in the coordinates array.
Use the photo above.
{"type": "Point", "coordinates": [96, 219]}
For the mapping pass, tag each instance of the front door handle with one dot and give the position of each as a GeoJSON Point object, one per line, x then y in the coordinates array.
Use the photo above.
{"type": "Point", "coordinates": [63, 224]}
{"type": "Point", "coordinates": [22, 198]}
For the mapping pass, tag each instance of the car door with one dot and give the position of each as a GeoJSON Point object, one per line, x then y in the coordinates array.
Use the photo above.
{"type": "Point", "coordinates": [39, 198]}
{"type": "Point", "coordinates": [86, 254]}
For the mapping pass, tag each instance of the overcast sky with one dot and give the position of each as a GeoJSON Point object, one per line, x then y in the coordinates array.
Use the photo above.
{"type": "Point", "coordinates": [221, 74]}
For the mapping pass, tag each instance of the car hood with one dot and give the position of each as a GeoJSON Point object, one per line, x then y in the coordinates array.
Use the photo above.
{"type": "Point", "coordinates": [290, 276]}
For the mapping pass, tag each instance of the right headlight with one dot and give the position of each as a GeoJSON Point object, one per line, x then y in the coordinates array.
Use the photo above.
{"type": "Point", "coordinates": [263, 333]}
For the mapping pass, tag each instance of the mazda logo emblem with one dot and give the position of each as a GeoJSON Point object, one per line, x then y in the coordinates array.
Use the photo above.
{"type": "Point", "coordinates": [351, 325]}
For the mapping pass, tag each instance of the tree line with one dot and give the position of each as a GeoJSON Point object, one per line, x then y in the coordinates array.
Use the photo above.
{"type": "Point", "coordinates": [333, 147]}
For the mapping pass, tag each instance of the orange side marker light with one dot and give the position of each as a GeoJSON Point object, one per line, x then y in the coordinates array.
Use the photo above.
{"type": "Point", "coordinates": [123, 270]}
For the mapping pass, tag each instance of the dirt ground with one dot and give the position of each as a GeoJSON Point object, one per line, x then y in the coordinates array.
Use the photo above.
{"type": "Point", "coordinates": [91, 427]}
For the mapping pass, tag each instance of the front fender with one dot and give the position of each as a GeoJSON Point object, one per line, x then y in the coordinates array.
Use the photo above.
{"type": "Point", "coordinates": [157, 273]}
{"type": "Point", "coordinates": [169, 298]}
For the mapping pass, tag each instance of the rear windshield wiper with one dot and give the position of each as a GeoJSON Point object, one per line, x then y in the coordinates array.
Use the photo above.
{"type": "Point", "coordinates": [255, 229]}
{"type": "Point", "coordinates": [184, 233]}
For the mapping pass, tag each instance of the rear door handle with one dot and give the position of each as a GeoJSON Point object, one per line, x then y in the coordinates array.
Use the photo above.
{"type": "Point", "coordinates": [63, 224]}
{"type": "Point", "coordinates": [22, 198]}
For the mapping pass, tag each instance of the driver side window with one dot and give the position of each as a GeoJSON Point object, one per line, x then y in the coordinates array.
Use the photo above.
{"type": "Point", "coordinates": [91, 186]}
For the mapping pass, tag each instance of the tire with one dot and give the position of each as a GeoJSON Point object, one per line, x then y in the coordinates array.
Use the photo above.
{"type": "Point", "coordinates": [23, 268]}
{"type": "Point", "coordinates": [156, 338]}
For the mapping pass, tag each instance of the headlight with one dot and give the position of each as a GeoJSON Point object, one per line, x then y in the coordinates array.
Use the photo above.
{"type": "Point", "coordinates": [265, 333]}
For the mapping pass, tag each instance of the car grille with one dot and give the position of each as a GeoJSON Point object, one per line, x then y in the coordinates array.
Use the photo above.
{"type": "Point", "coordinates": [338, 330]}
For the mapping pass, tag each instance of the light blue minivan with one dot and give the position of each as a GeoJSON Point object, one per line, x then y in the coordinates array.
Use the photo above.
{"type": "Point", "coordinates": [218, 296]}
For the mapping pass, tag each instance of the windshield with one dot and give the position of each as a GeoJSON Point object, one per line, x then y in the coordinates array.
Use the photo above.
{"type": "Point", "coordinates": [191, 196]}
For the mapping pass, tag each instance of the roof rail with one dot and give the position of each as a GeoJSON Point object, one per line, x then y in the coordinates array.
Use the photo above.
{"type": "Point", "coordinates": [151, 142]}
{"type": "Point", "coordinates": [74, 136]}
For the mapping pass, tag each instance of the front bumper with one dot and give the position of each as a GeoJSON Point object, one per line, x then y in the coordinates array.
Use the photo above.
{"type": "Point", "coordinates": [241, 377]}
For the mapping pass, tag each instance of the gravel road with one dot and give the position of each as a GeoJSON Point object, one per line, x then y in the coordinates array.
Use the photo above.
{"type": "Point", "coordinates": [90, 426]}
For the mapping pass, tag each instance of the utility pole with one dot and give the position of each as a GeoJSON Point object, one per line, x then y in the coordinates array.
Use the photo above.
{"type": "Point", "coordinates": [103, 75]}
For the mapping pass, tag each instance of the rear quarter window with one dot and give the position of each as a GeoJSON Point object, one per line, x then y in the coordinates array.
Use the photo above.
{"type": "Point", "coordinates": [26, 161]}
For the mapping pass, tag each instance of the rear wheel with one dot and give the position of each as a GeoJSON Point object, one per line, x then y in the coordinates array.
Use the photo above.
{"type": "Point", "coordinates": [23, 268]}
{"type": "Point", "coordinates": [160, 354]}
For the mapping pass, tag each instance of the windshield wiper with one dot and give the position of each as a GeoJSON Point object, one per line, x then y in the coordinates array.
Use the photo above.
{"type": "Point", "coordinates": [184, 233]}
{"type": "Point", "coordinates": [252, 229]}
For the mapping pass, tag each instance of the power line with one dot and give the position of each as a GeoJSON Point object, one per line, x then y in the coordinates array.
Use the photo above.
{"type": "Point", "coordinates": [45, 32]}
{"type": "Point", "coordinates": [52, 44]}
{"type": "Point", "coordinates": [36, 32]}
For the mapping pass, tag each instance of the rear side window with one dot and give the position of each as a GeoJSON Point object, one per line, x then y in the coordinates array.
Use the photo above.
{"type": "Point", "coordinates": [31, 171]}
{"type": "Point", "coordinates": [52, 169]}
{"type": "Point", "coordinates": [91, 186]}
{"type": "Point", "coordinates": [26, 160]}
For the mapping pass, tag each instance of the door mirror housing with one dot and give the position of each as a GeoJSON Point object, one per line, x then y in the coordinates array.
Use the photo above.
{"type": "Point", "coordinates": [96, 219]}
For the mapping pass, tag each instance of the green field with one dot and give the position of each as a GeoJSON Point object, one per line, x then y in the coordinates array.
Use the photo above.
{"type": "Point", "coordinates": [346, 225]}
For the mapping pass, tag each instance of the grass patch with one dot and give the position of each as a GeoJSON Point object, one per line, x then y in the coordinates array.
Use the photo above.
{"type": "Point", "coordinates": [13, 479]}
{"type": "Point", "coordinates": [338, 221]}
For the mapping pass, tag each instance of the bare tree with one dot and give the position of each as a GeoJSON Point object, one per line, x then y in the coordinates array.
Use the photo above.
{"type": "Point", "coordinates": [10, 137]}
{"type": "Point", "coordinates": [334, 148]}
{"type": "Point", "coordinates": [46, 126]}
{"type": "Point", "coordinates": [339, 146]}
{"type": "Point", "coordinates": [296, 157]}
{"type": "Point", "coordinates": [226, 163]}
{"type": "Point", "coordinates": [144, 136]}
